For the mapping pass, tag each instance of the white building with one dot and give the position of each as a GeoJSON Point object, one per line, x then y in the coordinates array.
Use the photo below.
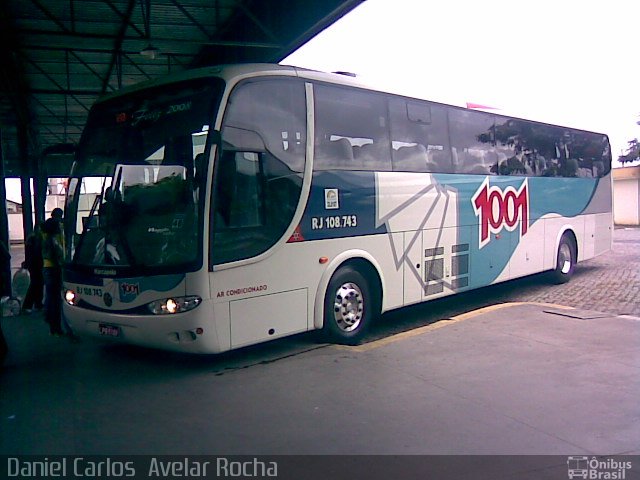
{"type": "Point", "coordinates": [626, 195]}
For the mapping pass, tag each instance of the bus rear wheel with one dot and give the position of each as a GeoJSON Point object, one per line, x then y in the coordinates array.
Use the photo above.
{"type": "Point", "coordinates": [566, 260]}
{"type": "Point", "coordinates": [348, 307]}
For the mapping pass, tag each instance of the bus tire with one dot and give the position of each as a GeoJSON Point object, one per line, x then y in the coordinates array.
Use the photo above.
{"type": "Point", "coordinates": [348, 307]}
{"type": "Point", "coordinates": [565, 260]}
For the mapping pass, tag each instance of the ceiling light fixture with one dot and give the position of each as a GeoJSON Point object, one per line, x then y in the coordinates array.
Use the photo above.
{"type": "Point", "coordinates": [150, 52]}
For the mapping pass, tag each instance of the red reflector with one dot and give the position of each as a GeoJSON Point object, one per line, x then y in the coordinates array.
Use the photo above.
{"type": "Point", "coordinates": [296, 236]}
{"type": "Point", "coordinates": [199, 331]}
{"type": "Point", "coordinates": [323, 260]}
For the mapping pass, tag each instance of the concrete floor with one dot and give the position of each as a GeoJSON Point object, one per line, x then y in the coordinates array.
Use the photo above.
{"type": "Point", "coordinates": [502, 380]}
{"type": "Point", "coordinates": [515, 379]}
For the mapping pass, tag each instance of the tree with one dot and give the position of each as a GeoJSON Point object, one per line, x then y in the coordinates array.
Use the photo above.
{"type": "Point", "coordinates": [633, 152]}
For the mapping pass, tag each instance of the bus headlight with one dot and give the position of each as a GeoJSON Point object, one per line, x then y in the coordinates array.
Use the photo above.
{"type": "Point", "coordinates": [70, 297]}
{"type": "Point", "coordinates": [174, 305]}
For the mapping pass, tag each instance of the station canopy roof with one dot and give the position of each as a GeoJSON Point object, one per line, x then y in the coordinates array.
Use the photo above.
{"type": "Point", "coordinates": [58, 56]}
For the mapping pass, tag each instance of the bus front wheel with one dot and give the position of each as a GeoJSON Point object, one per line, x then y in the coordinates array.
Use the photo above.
{"type": "Point", "coordinates": [566, 260]}
{"type": "Point", "coordinates": [348, 307]}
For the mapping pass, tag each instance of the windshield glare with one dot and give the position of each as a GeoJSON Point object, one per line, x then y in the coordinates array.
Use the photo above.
{"type": "Point", "coordinates": [135, 187]}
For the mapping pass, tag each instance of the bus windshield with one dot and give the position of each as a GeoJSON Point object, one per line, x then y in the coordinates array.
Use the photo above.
{"type": "Point", "coordinates": [135, 196]}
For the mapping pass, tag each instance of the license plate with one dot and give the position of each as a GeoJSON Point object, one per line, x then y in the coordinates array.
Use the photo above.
{"type": "Point", "coordinates": [109, 330]}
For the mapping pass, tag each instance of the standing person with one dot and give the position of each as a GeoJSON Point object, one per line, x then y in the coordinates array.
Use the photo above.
{"type": "Point", "coordinates": [34, 263]}
{"type": "Point", "coordinates": [57, 213]}
{"type": "Point", "coordinates": [52, 272]}
{"type": "Point", "coordinates": [4, 348]}
{"type": "Point", "coordinates": [5, 257]}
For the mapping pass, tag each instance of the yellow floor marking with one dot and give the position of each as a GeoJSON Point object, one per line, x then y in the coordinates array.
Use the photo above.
{"type": "Point", "coordinates": [443, 323]}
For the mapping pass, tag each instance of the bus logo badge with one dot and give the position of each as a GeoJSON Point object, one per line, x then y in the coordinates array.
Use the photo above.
{"type": "Point", "coordinates": [498, 209]}
{"type": "Point", "coordinates": [129, 291]}
{"type": "Point", "coordinates": [331, 199]}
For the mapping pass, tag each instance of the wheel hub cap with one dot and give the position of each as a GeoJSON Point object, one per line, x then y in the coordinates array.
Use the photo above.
{"type": "Point", "coordinates": [565, 258]}
{"type": "Point", "coordinates": [348, 307]}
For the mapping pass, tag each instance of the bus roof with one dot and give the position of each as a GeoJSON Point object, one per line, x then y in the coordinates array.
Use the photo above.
{"type": "Point", "coordinates": [232, 73]}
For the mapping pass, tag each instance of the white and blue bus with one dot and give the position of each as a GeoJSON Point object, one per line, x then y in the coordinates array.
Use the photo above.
{"type": "Point", "coordinates": [245, 203]}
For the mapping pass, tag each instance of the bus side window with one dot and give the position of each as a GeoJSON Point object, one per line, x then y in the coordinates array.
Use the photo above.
{"type": "Point", "coordinates": [419, 138]}
{"type": "Point", "coordinates": [472, 142]}
{"type": "Point", "coordinates": [352, 130]}
{"type": "Point", "coordinates": [334, 154]}
{"type": "Point", "coordinates": [258, 178]}
{"type": "Point", "coordinates": [242, 203]}
{"type": "Point", "coordinates": [532, 149]}
{"type": "Point", "coordinates": [408, 157]}
{"type": "Point", "coordinates": [521, 148]}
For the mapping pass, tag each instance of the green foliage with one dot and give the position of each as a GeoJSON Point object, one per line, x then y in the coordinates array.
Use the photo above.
{"type": "Point", "coordinates": [633, 152]}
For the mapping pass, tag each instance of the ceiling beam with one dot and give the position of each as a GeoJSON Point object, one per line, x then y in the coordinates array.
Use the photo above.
{"type": "Point", "coordinates": [123, 17]}
{"type": "Point", "coordinates": [72, 11]}
{"type": "Point", "coordinates": [49, 48]}
{"type": "Point", "coordinates": [58, 137]}
{"type": "Point", "coordinates": [51, 16]}
{"type": "Point", "coordinates": [53, 80]}
{"type": "Point", "coordinates": [57, 117]}
{"type": "Point", "coordinates": [267, 31]}
{"type": "Point", "coordinates": [118, 44]}
{"type": "Point", "coordinates": [56, 39]}
{"type": "Point", "coordinates": [64, 91]}
{"type": "Point", "coordinates": [86, 65]}
{"type": "Point", "coordinates": [13, 83]}
{"type": "Point", "coordinates": [98, 43]}
{"type": "Point", "coordinates": [136, 66]}
{"type": "Point", "coordinates": [191, 18]}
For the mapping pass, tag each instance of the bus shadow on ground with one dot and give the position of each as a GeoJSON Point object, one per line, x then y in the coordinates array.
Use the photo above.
{"type": "Point", "coordinates": [391, 323]}
{"type": "Point", "coordinates": [218, 364]}
{"type": "Point", "coordinates": [426, 313]}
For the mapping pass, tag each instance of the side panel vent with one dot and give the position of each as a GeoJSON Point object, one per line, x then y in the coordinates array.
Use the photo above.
{"type": "Point", "coordinates": [460, 265]}
{"type": "Point", "coordinates": [460, 283]}
{"type": "Point", "coordinates": [432, 252]}
{"type": "Point", "coordinates": [433, 289]}
{"type": "Point", "coordinates": [434, 269]}
{"type": "Point", "coordinates": [463, 247]}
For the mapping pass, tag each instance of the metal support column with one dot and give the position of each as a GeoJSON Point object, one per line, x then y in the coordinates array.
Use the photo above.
{"type": "Point", "coordinates": [25, 180]}
{"type": "Point", "coordinates": [5, 266]}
